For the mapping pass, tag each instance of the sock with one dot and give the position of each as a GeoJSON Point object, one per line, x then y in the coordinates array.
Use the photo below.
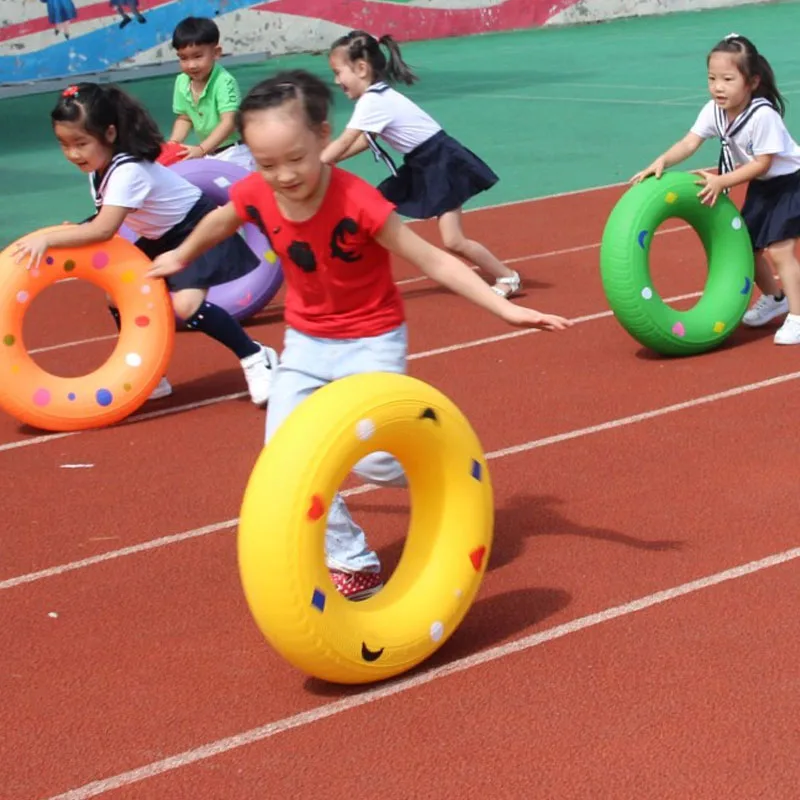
{"type": "Point", "coordinates": [115, 314]}
{"type": "Point", "coordinates": [778, 297]}
{"type": "Point", "coordinates": [220, 325]}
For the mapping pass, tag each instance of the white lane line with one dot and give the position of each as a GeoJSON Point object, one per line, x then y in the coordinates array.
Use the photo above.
{"type": "Point", "coordinates": [398, 686]}
{"type": "Point", "coordinates": [534, 444]}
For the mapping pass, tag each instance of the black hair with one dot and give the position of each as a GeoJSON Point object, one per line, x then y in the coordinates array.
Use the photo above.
{"type": "Point", "coordinates": [98, 107]}
{"type": "Point", "coordinates": [752, 65]}
{"type": "Point", "coordinates": [362, 45]}
{"type": "Point", "coordinates": [193, 31]}
{"type": "Point", "coordinates": [311, 92]}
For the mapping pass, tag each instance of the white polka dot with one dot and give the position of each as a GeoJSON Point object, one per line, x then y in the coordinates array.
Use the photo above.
{"type": "Point", "coordinates": [146, 289]}
{"type": "Point", "coordinates": [437, 631]}
{"type": "Point", "coordinates": [736, 223]}
{"type": "Point", "coordinates": [222, 182]}
{"type": "Point", "coordinates": [647, 292]}
{"type": "Point", "coordinates": [458, 593]}
{"type": "Point", "coordinates": [22, 297]}
{"type": "Point", "coordinates": [365, 429]}
{"type": "Point", "coordinates": [133, 360]}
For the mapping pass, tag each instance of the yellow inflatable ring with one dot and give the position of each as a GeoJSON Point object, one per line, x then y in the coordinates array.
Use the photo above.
{"type": "Point", "coordinates": [120, 385]}
{"type": "Point", "coordinates": [282, 529]}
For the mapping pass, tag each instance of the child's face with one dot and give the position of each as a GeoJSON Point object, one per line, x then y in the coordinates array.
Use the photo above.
{"type": "Point", "coordinates": [286, 150]}
{"type": "Point", "coordinates": [197, 60]}
{"type": "Point", "coordinates": [86, 152]}
{"type": "Point", "coordinates": [353, 77]}
{"type": "Point", "coordinates": [729, 88]}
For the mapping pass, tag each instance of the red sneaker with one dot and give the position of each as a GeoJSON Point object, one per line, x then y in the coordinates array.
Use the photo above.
{"type": "Point", "coordinates": [356, 585]}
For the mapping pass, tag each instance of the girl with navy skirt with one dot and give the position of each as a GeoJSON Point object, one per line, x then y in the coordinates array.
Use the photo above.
{"type": "Point", "coordinates": [108, 135]}
{"type": "Point", "coordinates": [746, 114]}
{"type": "Point", "coordinates": [438, 174]}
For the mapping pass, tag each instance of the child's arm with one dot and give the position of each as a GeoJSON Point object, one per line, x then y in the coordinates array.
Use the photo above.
{"type": "Point", "coordinates": [456, 276]}
{"type": "Point", "coordinates": [713, 185]}
{"type": "Point", "coordinates": [99, 228]}
{"type": "Point", "coordinates": [679, 152]}
{"type": "Point", "coordinates": [348, 144]}
{"type": "Point", "coordinates": [181, 128]}
{"type": "Point", "coordinates": [214, 139]}
{"type": "Point", "coordinates": [213, 229]}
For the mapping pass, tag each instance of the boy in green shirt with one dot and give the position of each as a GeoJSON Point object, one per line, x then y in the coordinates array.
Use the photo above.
{"type": "Point", "coordinates": [206, 96]}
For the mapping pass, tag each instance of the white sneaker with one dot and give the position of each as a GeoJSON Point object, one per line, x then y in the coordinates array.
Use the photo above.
{"type": "Point", "coordinates": [765, 309]}
{"type": "Point", "coordinates": [258, 372]}
{"type": "Point", "coordinates": [789, 332]}
{"type": "Point", "coordinates": [513, 282]}
{"type": "Point", "coordinates": [164, 389]}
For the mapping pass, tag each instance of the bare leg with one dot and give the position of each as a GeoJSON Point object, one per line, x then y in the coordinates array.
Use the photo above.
{"type": "Point", "coordinates": [457, 243]}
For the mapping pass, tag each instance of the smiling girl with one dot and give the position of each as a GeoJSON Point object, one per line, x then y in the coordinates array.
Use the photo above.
{"type": "Point", "coordinates": [110, 137]}
{"type": "Point", "coordinates": [438, 174]}
{"type": "Point", "coordinates": [335, 235]}
{"type": "Point", "coordinates": [746, 114]}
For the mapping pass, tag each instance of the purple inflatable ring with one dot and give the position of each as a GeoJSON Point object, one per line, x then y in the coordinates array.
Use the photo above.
{"type": "Point", "coordinates": [249, 294]}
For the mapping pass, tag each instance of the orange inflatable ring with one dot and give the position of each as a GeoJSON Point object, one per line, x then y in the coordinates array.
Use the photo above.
{"type": "Point", "coordinates": [120, 385]}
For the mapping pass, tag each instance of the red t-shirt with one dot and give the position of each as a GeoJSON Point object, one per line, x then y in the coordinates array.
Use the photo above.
{"type": "Point", "coordinates": [339, 282]}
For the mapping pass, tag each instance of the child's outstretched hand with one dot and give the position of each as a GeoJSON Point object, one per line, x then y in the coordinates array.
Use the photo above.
{"type": "Point", "coordinates": [522, 317]}
{"type": "Point", "coordinates": [656, 169]}
{"type": "Point", "coordinates": [32, 246]}
{"type": "Point", "coordinates": [166, 264]}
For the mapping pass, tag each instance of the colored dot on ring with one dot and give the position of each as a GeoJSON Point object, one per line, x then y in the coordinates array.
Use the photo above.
{"type": "Point", "coordinates": [104, 397]}
{"type": "Point", "coordinates": [100, 260]}
{"type": "Point", "coordinates": [41, 397]}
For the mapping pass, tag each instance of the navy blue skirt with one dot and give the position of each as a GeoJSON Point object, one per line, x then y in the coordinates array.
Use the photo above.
{"type": "Point", "coordinates": [226, 261]}
{"type": "Point", "coordinates": [771, 210]}
{"type": "Point", "coordinates": [437, 176]}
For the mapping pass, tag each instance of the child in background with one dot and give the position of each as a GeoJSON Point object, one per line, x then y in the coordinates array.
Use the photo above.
{"type": "Point", "coordinates": [108, 135]}
{"type": "Point", "coordinates": [206, 95]}
{"type": "Point", "coordinates": [746, 113]}
{"type": "Point", "coordinates": [344, 313]}
{"type": "Point", "coordinates": [438, 175]}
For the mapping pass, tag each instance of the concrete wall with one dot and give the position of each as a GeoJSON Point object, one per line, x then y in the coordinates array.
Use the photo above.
{"type": "Point", "coordinates": [58, 40]}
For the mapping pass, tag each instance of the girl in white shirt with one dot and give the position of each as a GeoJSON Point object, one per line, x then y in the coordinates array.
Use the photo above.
{"type": "Point", "coordinates": [746, 113]}
{"type": "Point", "coordinates": [438, 175]}
{"type": "Point", "coordinates": [111, 137]}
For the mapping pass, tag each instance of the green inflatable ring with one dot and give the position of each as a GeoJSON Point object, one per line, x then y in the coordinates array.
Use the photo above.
{"type": "Point", "coordinates": [625, 266]}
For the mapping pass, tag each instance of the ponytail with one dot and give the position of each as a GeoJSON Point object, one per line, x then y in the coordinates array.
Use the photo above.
{"type": "Point", "coordinates": [360, 45]}
{"type": "Point", "coordinates": [98, 107]}
{"type": "Point", "coordinates": [397, 71]}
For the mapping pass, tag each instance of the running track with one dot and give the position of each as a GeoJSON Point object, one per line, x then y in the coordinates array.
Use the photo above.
{"type": "Point", "coordinates": [634, 636]}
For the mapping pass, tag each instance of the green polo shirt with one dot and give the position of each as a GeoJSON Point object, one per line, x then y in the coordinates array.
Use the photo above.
{"type": "Point", "coordinates": [220, 94]}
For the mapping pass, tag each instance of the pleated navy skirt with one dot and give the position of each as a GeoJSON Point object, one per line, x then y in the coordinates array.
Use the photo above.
{"type": "Point", "coordinates": [771, 210]}
{"type": "Point", "coordinates": [226, 261]}
{"type": "Point", "coordinates": [437, 176]}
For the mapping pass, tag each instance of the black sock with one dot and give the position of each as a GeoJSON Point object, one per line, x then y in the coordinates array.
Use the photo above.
{"type": "Point", "coordinates": [115, 314]}
{"type": "Point", "coordinates": [220, 325]}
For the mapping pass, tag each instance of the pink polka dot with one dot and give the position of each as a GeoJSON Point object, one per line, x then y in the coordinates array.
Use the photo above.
{"type": "Point", "coordinates": [22, 297]}
{"type": "Point", "coordinates": [99, 260]}
{"type": "Point", "coordinates": [142, 321]}
{"type": "Point", "coordinates": [41, 397]}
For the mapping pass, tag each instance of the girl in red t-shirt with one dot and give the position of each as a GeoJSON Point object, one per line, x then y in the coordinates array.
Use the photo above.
{"type": "Point", "coordinates": [334, 233]}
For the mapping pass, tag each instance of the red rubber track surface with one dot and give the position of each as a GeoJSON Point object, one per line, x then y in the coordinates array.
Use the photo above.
{"type": "Point", "coordinates": [126, 639]}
